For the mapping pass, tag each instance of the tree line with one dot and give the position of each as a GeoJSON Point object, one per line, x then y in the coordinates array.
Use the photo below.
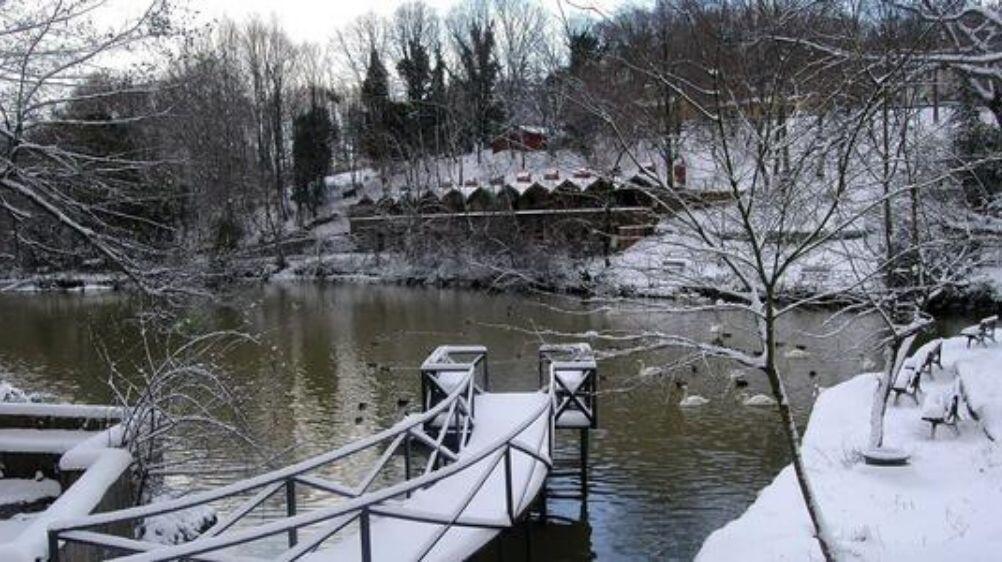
{"type": "Point", "coordinates": [225, 140]}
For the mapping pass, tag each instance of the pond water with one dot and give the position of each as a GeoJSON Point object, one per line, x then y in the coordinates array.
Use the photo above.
{"type": "Point", "coordinates": [661, 478]}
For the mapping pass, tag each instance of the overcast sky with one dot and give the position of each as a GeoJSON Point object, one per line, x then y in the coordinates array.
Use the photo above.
{"type": "Point", "coordinates": [316, 19]}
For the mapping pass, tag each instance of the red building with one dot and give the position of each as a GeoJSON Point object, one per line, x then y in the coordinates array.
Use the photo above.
{"type": "Point", "coordinates": [520, 138]}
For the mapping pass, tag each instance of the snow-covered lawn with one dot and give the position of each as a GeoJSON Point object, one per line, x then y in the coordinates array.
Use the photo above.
{"type": "Point", "coordinates": [945, 505]}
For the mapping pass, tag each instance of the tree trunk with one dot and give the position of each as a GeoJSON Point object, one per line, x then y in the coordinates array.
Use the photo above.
{"type": "Point", "coordinates": [894, 358]}
{"type": "Point", "coordinates": [886, 180]}
{"type": "Point", "coordinates": [825, 541]}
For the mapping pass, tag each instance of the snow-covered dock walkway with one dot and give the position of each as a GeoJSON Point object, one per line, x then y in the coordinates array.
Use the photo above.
{"type": "Point", "coordinates": [439, 485]}
{"type": "Point", "coordinates": [475, 496]}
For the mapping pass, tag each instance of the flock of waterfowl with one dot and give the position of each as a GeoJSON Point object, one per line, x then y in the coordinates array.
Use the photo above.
{"type": "Point", "coordinates": [744, 398]}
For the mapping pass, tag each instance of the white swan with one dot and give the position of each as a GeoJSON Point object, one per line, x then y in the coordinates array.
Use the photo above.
{"type": "Point", "coordinates": [797, 353]}
{"type": "Point", "coordinates": [757, 401]}
{"type": "Point", "coordinates": [690, 401]}
{"type": "Point", "coordinates": [650, 372]}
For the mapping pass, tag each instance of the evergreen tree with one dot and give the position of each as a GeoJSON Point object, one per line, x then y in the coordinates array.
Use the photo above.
{"type": "Point", "coordinates": [479, 80]}
{"type": "Point", "coordinates": [580, 124]}
{"type": "Point", "coordinates": [584, 47]}
{"type": "Point", "coordinates": [376, 101]}
{"type": "Point", "coordinates": [415, 69]}
{"type": "Point", "coordinates": [437, 102]}
{"type": "Point", "coordinates": [313, 133]}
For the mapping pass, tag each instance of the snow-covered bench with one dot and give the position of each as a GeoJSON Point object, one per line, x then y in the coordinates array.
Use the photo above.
{"type": "Point", "coordinates": [909, 379]}
{"type": "Point", "coordinates": [944, 409]}
{"type": "Point", "coordinates": [985, 330]}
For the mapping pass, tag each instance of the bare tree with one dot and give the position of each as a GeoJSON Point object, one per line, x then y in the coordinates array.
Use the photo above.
{"type": "Point", "coordinates": [47, 52]}
{"type": "Point", "coordinates": [271, 60]}
{"type": "Point", "coordinates": [782, 134]}
{"type": "Point", "coordinates": [971, 44]}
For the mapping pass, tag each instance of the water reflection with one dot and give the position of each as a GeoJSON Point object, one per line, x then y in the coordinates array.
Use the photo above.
{"type": "Point", "coordinates": [339, 363]}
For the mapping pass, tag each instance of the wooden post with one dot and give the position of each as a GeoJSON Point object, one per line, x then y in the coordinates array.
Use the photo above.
{"type": "Point", "coordinates": [290, 509]}
{"type": "Point", "coordinates": [584, 463]}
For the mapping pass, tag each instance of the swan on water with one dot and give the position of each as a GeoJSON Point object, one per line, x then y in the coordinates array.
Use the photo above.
{"type": "Point", "coordinates": [650, 372]}
{"type": "Point", "coordinates": [757, 401]}
{"type": "Point", "coordinates": [690, 401]}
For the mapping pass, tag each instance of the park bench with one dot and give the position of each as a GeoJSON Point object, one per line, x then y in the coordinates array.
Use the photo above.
{"type": "Point", "coordinates": [945, 409]}
{"type": "Point", "coordinates": [985, 330]}
{"type": "Point", "coordinates": [909, 378]}
{"type": "Point", "coordinates": [909, 382]}
{"type": "Point", "coordinates": [932, 359]}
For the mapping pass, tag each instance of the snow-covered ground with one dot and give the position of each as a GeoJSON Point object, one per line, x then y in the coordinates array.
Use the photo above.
{"type": "Point", "coordinates": [946, 504]}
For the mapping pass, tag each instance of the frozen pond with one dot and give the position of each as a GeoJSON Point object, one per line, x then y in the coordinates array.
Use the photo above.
{"type": "Point", "coordinates": [662, 478]}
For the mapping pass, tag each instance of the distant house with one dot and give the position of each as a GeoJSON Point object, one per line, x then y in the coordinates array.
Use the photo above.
{"type": "Point", "coordinates": [521, 137]}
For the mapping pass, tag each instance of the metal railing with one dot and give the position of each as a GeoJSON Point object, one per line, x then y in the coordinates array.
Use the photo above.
{"type": "Point", "coordinates": [447, 414]}
{"type": "Point", "coordinates": [574, 381]}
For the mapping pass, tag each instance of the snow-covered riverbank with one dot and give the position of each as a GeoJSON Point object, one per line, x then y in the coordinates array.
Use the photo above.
{"type": "Point", "coordinates": [944, 505]}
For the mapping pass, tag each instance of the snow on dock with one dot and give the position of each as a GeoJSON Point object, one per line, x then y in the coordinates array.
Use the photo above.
{"type": "Point", "coordinates": [449, 498]}
{"type": "Point", "coordinates": [473, 462]}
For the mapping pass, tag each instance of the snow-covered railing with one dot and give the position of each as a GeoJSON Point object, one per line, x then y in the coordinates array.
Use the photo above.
{"type": "Point", "coordinates": [90, 460]}
{"type": "Point", "coordinates": [573, 378]}
{"type": "Point", "coordinates": [443, 428]}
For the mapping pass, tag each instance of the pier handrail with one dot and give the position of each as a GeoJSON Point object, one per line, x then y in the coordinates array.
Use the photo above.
{"type": "Point", "coordinates": [456, 406]}
{"type": "Point", "coordinates": [363, 507]}
{"type": "Point", "coordinates": [578, 396]}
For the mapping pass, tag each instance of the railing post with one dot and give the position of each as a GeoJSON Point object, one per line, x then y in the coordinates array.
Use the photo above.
{"type": "Point", "coordinates": [407, 460]}
{"type": "Point", "coordinates": [487, 375]}
{"type": "Point", "coordinates": [508, 493]}
{"type": "Point", "coordinates": [53, 546]}
{"type": "Point", "coordinates": [363, 530]}
{"type": "Point", "coordinates": [592, 398]}
{"type": "Point", "coordinates": [539, 369]}
{"type": "Point", "coordinates": [290, 508]}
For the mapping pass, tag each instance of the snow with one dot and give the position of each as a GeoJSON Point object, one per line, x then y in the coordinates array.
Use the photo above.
{"type": "Point", "coordinates": [945, 504]}
{"type": "Point", "coordinates": [31, 543]}
{"type": "Point", "coordinates": [24, 537]}
{"type": "Point", "coordinates": [177, 527]}
{"type": "Point", "coordinates": [22, 490]}
{"type": "Point", "coordinates": [56, 441]}
{"type": "Point", "coordinates": [494, 421]}
{"type": "Point", "coordinates": [10, 394]}
{"type": "Point", "coordinates": [24, 408]}
{"type": "Point", "coordinates": [86, 452]}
